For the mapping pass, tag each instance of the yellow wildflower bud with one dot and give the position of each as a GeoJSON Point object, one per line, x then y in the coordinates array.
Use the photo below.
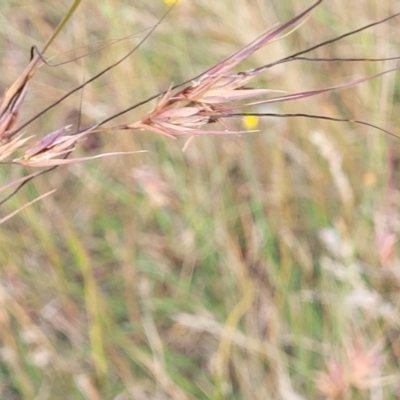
{"type": "Point", "coordinates": [250, 121]}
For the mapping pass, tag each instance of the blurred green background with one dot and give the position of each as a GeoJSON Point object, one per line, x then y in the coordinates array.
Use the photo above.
{"type": "Point", "coordinates": [260, 266]}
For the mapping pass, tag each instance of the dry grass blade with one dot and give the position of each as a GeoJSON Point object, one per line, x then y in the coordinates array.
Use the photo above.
{"type": "Point", "coordinates": [7, 217]}
{"type": "Point", "coordinates": [216, 73]}
{"type": "Point", "coordinates": [49, 161]}
{"type": "Point", "coordinates": [309, 93]}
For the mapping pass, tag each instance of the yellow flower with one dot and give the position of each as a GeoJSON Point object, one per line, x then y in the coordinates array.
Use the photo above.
{"type": "Point", "coordinates": [250, 121]}
{"type": "Point", "coordinates": [169, 2]}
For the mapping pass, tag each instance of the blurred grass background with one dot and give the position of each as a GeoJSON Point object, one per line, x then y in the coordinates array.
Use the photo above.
{"type": "Point", "coordinates": [264, 266]}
